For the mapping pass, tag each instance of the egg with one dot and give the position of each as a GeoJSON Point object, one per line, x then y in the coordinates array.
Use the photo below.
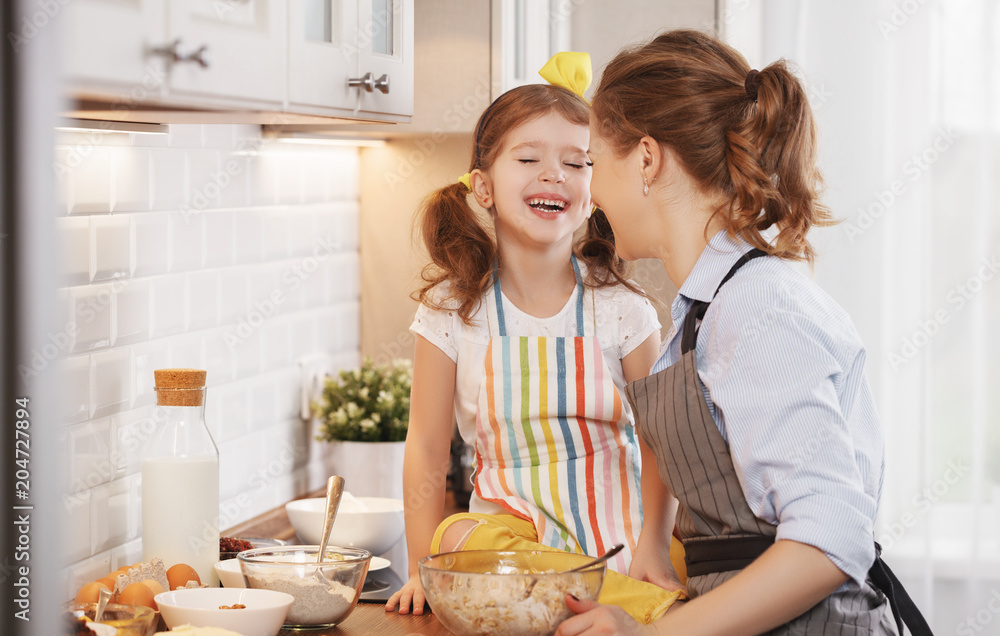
{"type": "Point", "coordinates": [108, 581]}
{"type": "Point", "coordinates": [137, 594]}
{"type": "Point", "coordinates": [90, 592]}
{"type": "Point", "coordinates": [181, 573]}
{"type": "Point", "coordinates": [153, 586]}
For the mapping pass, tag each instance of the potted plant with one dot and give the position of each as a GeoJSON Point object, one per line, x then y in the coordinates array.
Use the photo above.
{"type": "Point", "coordinates": [363, 414]}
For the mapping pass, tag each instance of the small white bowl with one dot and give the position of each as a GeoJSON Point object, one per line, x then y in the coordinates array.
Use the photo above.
{"type": "Point", "coordinates": [371, 523]}
{"type": "Point", "coordinates": [230, 574]}
{"type": "Point", "coordinates": [263, 615]}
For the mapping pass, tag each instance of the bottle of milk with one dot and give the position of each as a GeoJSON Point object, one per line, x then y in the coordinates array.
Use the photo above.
{"type": "Point", "coordinates": [180, 478]}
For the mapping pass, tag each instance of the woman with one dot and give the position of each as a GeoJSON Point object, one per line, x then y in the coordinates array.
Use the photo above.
{"type": "Point", "coordinates": [760, 415]}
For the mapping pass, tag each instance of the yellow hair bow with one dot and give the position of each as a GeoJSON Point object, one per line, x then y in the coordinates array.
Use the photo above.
{"type": "Point", "coordinates": [569, 69]}
{"type": "Point", "coordinates": [466, 180]}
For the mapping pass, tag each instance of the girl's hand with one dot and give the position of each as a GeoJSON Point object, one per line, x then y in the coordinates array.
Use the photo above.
{"type": "Point", "coordinates": [651, 563]}
{"type": "Point", "coordinates": [411, 594]}
{"type": "Point", "coordinates": [593, 619]}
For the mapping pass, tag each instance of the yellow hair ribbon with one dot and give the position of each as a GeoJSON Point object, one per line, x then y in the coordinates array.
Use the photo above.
{"type": "Point", "coordinates": [466, 180]}
{"type": "Point", "coordinates": [569, 69]}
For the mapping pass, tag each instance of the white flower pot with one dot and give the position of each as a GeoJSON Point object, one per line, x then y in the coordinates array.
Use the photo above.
{"type": "Point", "coordinates": [369, 469]}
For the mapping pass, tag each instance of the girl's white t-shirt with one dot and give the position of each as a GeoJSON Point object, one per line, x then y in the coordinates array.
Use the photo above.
{"type": "Point", "coordinates": [622, 318]}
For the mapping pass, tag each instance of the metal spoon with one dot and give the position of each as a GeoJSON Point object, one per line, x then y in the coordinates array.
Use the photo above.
{"type": "Point", "coordinates": [103, 596]}
{"type": "Point", "coordinates": [334, 489]}
{"type": "Point", "coordinates": [589, 564]}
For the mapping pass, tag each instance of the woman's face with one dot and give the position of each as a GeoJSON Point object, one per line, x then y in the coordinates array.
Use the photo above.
{"type": "Point", "coordinates": [540, 182]}
{"type": "Point", "coordinates": [616, 188]}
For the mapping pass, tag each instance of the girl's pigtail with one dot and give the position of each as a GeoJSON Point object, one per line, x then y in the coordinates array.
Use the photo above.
{"type": "Point", "coordinates": [461, 250]}
{"type": "Point", "coordinates": [771, 157]}
{"type": "Point", "coordinates": [597, 249]}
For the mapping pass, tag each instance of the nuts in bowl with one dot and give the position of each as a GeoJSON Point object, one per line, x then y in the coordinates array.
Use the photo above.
{"type": "Point", "coordinates": [513, 593]}
{"type": "Point", "coordinates": [247, 612]}
{"type": "Point", "coordinates": [325, 593]}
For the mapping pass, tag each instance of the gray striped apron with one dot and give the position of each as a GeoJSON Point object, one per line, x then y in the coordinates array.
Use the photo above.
{"type": "Point", "coordinates": [721, 535]}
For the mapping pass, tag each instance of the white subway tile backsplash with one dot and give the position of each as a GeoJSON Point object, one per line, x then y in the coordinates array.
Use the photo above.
{"type": "Point", "coordinates": [233, 294]}
{"type": "Point", "coordinates": [93, 315]}
{"type": "Point", "coordinates": [203, 299]}
{"type": "Point", "coordinates": [278, 224]}
{"type": "Point", "coordinates": [146, 358]}
{"type": "Point", "coordinates": [203, 248]}
{"type": "Point", "coordinates": [169, 178]}
{"type": "Point", "coordinates": [76, 513]}
{"type": "Point", "coordinates": [248, 230]}
{"type": "Point", "coordinates": [186, 240]}
{"type": "Point", "coordinates": [131, 179]}
{"type": "Point", "coordinates": [73, 234]}
{"type": "Point", "coordinates": [169, 314]}
{"type": "Point", "coordinates": [90, 181]}
{"type": "Point", "coordinates": [112, 381]}
{"type": "Point", "coordinates": [88, 446]}
{"type": "Point", "coordinates": [131, 311]}
{"type": "Point", "coordinates": [152, 234]}
{"type": "Point", "coordinates": [219, 238]}
{"type": "Point", "coordinates": [112, 240]}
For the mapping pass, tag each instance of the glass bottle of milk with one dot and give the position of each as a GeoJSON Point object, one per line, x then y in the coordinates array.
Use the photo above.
{"type": "Point", "coordinates": [180, 478]}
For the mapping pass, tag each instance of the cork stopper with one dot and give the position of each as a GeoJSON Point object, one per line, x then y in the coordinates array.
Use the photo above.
{"type": "Point", "coordinates": [180, 387]}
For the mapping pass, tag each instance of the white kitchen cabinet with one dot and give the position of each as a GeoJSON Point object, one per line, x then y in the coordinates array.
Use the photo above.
{"type": "Point", "coordinates": [263, 61]}
{"type": "Point", "coordinates": [229, 49]}
{"type": "Point", "coordinates": [104, 48]}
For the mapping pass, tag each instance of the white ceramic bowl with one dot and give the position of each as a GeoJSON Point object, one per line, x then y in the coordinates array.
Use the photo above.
{"type": "Point", "coordinates": [263, 615]}
{"type": "Point", "coordinates": [230, 574]}
{"type": "Point", "coordinates": [371, 523]}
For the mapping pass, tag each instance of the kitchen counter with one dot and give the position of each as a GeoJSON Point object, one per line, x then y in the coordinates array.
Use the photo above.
{"type": "Point", "coordinates": [368, 618]}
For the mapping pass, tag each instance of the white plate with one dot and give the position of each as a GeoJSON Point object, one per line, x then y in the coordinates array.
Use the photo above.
{"type": "Point", "coordinates": [378, 563]}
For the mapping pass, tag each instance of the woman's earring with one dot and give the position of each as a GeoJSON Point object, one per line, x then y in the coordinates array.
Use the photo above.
{"type": "Point", "coordinates": [645, 186]}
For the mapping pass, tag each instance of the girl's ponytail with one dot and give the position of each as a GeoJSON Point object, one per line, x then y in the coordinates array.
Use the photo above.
{"type": "Point", "coordinates": [462, 251]}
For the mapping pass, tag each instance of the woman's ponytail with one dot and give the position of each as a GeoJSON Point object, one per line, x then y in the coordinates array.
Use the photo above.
{"type": "Point", "coordinates": [462, 251]}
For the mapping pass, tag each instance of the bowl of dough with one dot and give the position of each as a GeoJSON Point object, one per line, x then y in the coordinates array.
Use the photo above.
{"type": "Point", "coordinates": [506, 593]}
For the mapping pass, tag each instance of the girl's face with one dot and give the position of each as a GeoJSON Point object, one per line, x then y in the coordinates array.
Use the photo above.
{"type": "Point", "coordinates": [540, 182]}
{"type": "Point", "coordinates": [617, 189]}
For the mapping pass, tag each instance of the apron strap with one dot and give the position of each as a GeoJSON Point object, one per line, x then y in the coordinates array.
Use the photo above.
{"type": "Point", "coordinates": [723, 554]}
{"type": "Point", "coordinates": [498, 298]}
{"type": "Point", "coordinates": [690, 336]}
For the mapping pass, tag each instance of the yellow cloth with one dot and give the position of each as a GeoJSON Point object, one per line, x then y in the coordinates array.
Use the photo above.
{"type": "Point", "coordinates": [643, 601]}
{"type": "Point", "coordinates": [466, 180]}
{"type": "Point", "coordinates": [569, 69]}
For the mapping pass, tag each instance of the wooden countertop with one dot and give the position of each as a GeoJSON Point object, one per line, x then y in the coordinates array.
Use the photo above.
{"type": "Point", "coordinates": [368, 618]}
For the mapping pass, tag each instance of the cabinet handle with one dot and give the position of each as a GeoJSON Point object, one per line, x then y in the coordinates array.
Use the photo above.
{"type": "Point", "coordinates": [173, 53]}
{"type": "Point", "coordinates": [370, 83]}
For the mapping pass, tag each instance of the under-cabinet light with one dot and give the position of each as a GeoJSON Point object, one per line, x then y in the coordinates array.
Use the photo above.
{"type": "Point", "coordinates": [105, 126]}
{"type": "Point", "coordinates": [324, 140]}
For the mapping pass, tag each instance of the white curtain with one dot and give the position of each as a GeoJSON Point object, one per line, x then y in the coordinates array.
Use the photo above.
{"type": "Point", "coordinates": [907, 95]}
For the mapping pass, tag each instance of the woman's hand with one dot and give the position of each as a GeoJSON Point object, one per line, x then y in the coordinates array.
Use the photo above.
{"type": "Point", "coordinates": [410, 595]}
{"type": "Point", "coordinates": [593, 619]}
{"type": "Point", "coordinates": [651, 563]}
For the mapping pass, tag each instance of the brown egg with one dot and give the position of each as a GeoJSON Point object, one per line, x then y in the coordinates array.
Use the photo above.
{"type": "Point", "coordinates": [137, 594]}
{"type": "Point", "coordinates": [153, 586]}
{"type": "Point", "coordinates": [181, 573]}
{"type": "Point", "coordinates": [90, 592]}
{"type": "Point", "coordinates": [109, 581]}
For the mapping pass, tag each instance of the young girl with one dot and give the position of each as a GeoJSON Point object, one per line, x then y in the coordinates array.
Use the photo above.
{"type": "Point", "coordinates": [760, 414]}
{"type": "Point", "coordinates": [526, 336]}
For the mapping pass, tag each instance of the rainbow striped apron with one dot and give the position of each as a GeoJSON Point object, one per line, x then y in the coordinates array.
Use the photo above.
{"type": "Point", "coordinates": [553, 443]}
